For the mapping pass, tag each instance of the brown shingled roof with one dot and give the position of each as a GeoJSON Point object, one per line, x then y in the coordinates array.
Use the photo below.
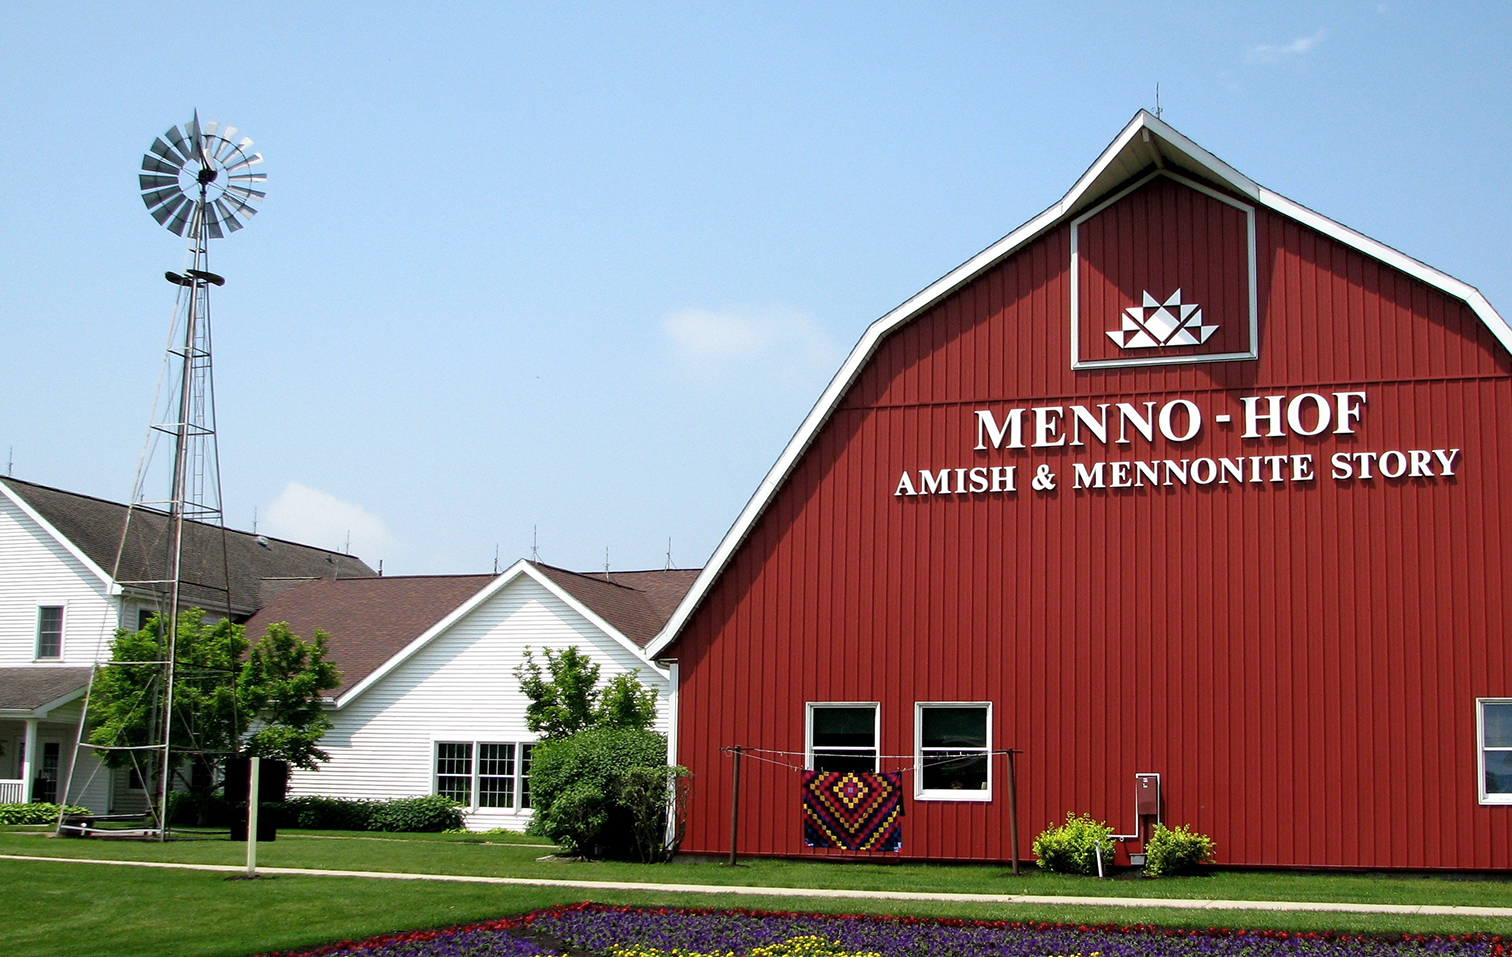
{"type": "Point", "coordinates": [638, 604]}
{"type": "Point", "coordinates": [94, 526]}
{"type": "Point", "coordinates": [372, 619]}
{"type": "Point", "coordinates": [369, 619]}
{"type": "Point", "coordinates": [26, 689]}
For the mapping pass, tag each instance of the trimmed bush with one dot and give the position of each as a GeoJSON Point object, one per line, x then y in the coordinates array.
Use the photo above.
{"type": "Point", "coordinates": [1178, 851]}
{"type": "Point", "coordinates": [1071, 847]}
{"type": "Point", "coordinates": [35, 813]}
{"type": "Point", "coordinates": [430, 814]}
{"type": "Point", "coordinates": [603, 793]}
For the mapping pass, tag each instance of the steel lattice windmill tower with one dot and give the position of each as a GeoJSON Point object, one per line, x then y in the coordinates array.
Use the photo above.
{"type": "Point", "coordinates": [198, 182]}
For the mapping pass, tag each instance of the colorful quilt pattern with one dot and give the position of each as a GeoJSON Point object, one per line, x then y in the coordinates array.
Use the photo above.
{"type": "Point", "coordinates": [855, 811]}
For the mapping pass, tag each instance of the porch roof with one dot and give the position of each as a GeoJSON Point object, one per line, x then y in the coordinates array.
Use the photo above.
{"type": "Point", "coordinates": [32, 692]}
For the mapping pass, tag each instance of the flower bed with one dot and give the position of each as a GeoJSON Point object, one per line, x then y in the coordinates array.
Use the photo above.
{"type": "Point", "coordinates": [675, 932]}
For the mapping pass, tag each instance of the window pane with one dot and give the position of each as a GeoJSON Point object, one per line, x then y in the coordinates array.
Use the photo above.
{"type": "Point", "coordinates": [496, 775]}
{"type": "Point", "coordinates": [1498, 718]}
{"type": "Point", "coordinates": [454, 772]}
{"type": "Point", "coordinates": [845, 761]}
{"type": "Point", "coordinates": [50, 632]}
{"type": "Point", "coordinates": [947, 771]}
{"type": "Point", "coordinates": [525, 750]}
{"type": "Point", "coordinates": [954, 727]}
{"type": "Point", "coordinates": [496, 759]}
{"type": "Point", "coordinates": [845, 727]}
{"type": "Point", "coordinates": [1499, 772]}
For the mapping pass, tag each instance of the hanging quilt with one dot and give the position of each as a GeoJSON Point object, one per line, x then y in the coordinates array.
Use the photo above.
{"type": "Point", "coordinates": [856, 811]}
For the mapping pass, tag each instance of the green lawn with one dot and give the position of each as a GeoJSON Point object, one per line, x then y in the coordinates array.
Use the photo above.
{"type": "Point", "coordinates": [60, 908]}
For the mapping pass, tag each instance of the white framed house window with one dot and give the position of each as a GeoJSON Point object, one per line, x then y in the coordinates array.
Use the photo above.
{"type": "Point", "coordinates": [953, 750]}
{"type": "Point", "coordinates": [842, 735]}
{"type": "Point", "coordinates": [454, 771]}
{"type": "Point", "coordinates": [50, 631]}
{"type": "Point", "coordinates": [484, 774]}
{"type": "Point", "coordinates": [1493, 720]}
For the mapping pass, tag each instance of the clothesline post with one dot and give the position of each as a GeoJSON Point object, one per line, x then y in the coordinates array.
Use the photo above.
{"type": "Point", "coordinates": [735, 805]}
{"type": "Point", "coordinates": [1012, 809]}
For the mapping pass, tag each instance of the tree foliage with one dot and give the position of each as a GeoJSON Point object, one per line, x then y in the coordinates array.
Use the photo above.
{"type": "Point", "coordinates": [565, 697]}
{"type": "Point", "coordinates": [221, 693]}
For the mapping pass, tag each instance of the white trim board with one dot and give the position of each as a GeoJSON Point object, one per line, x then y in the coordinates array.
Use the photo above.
{"type": "Point", "coordinates": [1155, 142]}
{"type": "Point", "coordinates": [510, 574]}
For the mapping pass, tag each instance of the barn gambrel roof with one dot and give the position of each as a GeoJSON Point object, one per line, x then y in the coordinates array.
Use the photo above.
{"type": "Point", "coordinates": [1147, 143]}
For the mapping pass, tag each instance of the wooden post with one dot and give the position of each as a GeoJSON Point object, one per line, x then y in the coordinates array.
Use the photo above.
{"type": "Point", "coordinates": [1013, 810]}
{"type": "Point", "coordinates": [735, 807]}
{"type": "Point", "coordinates": [254, 765]}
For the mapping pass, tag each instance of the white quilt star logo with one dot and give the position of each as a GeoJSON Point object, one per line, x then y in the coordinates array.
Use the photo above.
{"type": "Point", "coordinates": [1169, 323]}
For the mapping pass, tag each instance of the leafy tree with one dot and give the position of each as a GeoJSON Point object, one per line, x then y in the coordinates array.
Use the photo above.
{"type": "Point", "coordinates": [626, 704]}
{"type": "Point", "coordinates": [565, 697]}
{"type": "Point", "coordinates": [283, 683]}
{"type": "Point", "coordinates": [219, 693]}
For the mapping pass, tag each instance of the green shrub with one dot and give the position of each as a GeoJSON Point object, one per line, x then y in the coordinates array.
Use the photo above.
{"type": "Point", "coordinates": [604, 793]}
{"type": "Point", "coordinates": [429, 814]}
{"type": "Point", "coordinates": [35, 813]}
{"type": "Point", "coordinates": [1071, 847]}
{"type": "Point", "coordinates": [1177, 851]}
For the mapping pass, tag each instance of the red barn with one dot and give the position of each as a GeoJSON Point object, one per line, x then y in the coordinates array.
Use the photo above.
{"type": "Point", "coordinates": [1180, 478]}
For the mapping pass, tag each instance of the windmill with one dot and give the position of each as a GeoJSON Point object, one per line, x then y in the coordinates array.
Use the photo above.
{"type": "Point", "coordinates": [201, 183]}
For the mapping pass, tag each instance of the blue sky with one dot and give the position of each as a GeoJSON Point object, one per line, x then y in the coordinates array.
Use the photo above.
{"type": "Point", "coordinates": [585, 267]}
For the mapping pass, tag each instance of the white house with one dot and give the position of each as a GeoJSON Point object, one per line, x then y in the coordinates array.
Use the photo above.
{"type": "Point", "coordinates": [59, 610]}
{"type": "Point", "coordinates": [429, 703]}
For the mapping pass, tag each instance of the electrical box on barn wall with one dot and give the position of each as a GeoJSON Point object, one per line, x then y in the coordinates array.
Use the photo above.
{"type": "Point", "coordinates": [1147, 795]}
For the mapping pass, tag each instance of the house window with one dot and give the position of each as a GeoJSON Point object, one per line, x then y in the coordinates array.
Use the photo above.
{"type": "Point", "coordinates": [454, 771]}
{"type": "Point", "coordinates": [952, 751]}
{"type": "Point", "coordinates": [144, 615]}
{"type": "Point", "coordinates": [1494, 717]}
{"type": "Point", "coordinates": [496, 775]}
{"type": "Point", "coordinates": [499, 778]}
{"type": "Point", "coordinates": [50, 631]}
{"type": "Point", "coordinates": [842, 736]}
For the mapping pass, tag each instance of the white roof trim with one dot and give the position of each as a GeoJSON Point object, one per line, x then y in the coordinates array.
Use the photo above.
{"type": "Point", "coordinates": [510, 574]}
{"type": "Point", "coordinates": [1211, 165]}
{"type": "Point", "coordinates": [110, 587]}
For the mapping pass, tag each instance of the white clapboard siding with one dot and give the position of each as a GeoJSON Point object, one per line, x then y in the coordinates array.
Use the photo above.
{"type": "Point", "coordinates": [460, 687]}
{"type": "Point", "coordinates": [35, 570]}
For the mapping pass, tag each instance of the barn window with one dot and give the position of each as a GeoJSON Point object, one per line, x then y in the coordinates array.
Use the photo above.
{"type": "Point", "coordinates": [1494, 717]}
{"type": "Point", "coordinates": [842, 736]}
{"type": "Point", "coordinates": [454, 771]}
{"type": "Point", "coordinates": [953, 751]}
{"type": "Point", "coordinates": [50, 631]}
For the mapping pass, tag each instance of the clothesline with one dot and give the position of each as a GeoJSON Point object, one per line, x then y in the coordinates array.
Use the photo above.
{"type": "Point", "coordinates": [759, 754]}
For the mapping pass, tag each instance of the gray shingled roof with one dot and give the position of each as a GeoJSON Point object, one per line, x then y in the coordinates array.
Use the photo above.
{"type": "Point", "coordinates": [26, 689]}
{"type": "Point", "coordinates": [94, 526]}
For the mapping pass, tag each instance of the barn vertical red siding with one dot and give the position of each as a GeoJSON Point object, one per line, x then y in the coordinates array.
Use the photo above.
{"type": "Point", "coordinates": [1299, 661]}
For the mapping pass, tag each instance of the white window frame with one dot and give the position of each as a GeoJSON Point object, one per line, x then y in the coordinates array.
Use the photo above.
{"type": "Point", "coordinates": [808, 730]}
{"type": "Point", "coordinates": [62, 629]}
{"type": "Point", "coordinates": [1480, 752]}
{"type": "Point", "coordinates": [920, 793]}
{"type": "Point", "coordinates": [520, 775]}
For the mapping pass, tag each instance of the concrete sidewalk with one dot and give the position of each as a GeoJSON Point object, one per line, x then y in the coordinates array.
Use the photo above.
{"type": "Point", "coordinates": [1172, 903]}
